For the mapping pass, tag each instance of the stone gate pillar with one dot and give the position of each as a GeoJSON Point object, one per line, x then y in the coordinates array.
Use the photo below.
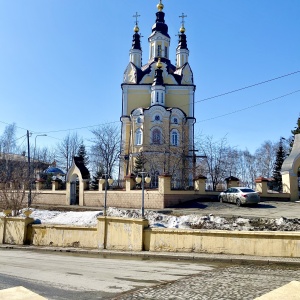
{"type": "Point", "coordinates": [290, 171]}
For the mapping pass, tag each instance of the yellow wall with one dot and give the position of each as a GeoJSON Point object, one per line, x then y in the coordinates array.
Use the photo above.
{"type": "Point", "coordinates": [13, 230]}
{"type": "Point", "coordinates": [63, 236]}
{"type": "Point", "coordinates": [132, 234]}
{"type": "Point", "coordinates": [136, 100]}
{"type": "Point", "coordinates": [285, 244]}
{"type": "Point", "coordinates": [180, 100]}
{"type": "Point", "coordinates": [122, 233]}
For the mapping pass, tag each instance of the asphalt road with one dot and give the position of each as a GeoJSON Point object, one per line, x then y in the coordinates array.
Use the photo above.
{"type": "Point", "coordinates": [71, 276]}
{"type": "Point", "coordinates": [63, 276]}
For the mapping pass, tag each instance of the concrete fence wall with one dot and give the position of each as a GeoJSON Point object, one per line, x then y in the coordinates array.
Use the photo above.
{"type": "Point", "coordinates": [62, 236]}
{"type": "Point", "coordinates": [286, 244]}
{"type": "Point", "coordinates": [134, 235]}
{"type": "Point", "coordinates": [154, 199]}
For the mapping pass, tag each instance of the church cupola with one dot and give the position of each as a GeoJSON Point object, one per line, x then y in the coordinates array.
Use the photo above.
{"type": "Point", "coordinates": [182, 51]}
{"type": "Point", "coordinates": [136, 50]}
{"type": "Point", "coordinates": [159, 40]}
{"type": "Point", "coordinates": [158, 91]}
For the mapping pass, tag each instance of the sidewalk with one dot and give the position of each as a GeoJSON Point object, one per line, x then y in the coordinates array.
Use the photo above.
{"type": "Point", "coordinates": [226, 258]}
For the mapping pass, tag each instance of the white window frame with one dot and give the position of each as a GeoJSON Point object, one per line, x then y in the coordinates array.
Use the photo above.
{"type": "Point", "coordinates": [174, 138]}
{"type": "Point", "coordinates": [139, 136]}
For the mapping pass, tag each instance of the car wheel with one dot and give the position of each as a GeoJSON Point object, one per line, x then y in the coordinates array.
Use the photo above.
{"type": "Point", "coordinates": [238, 202]}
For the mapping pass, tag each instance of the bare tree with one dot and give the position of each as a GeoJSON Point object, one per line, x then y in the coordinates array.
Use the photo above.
{"type": "Point", "coordinates": [14, 184]}
{"type": "Point", "coordinates": [265, 158]}
{"type": "Point", "coordinates": [67, 149]}
{"type": "Point", "coordinates": [8, 140]}
{"type": "Point", "coordinates": [216, 163]}
{"type": "Point", "coordinates": [106, 148]}
{"type": "Point", "coordinates": [247, 168]}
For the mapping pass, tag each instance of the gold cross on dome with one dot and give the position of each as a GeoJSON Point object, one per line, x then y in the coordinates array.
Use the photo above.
{"type": "Point", "coordinates": [183, 16]}
{"type": "Point", "coordinates": [136, 17]}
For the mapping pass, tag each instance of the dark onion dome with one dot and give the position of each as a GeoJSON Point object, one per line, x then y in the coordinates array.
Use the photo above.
{"type": "Point", "coordinates": [136, 42]}
{"type": "Point", "coordinates": [182, 44]}
{"type": "Point", "coordinates": [158, 79]}
{"type": "Point", "coordinates": [54, 171]}
{"type": "Point", "coordinates": [160, 25]}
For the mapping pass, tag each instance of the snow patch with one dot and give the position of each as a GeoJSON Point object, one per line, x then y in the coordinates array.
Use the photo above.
{"type": "Point", "coordinates": [159, 220]}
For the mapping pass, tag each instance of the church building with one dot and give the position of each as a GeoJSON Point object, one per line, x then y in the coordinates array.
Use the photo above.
{"type": "Point", "coordinates": [158, 106]}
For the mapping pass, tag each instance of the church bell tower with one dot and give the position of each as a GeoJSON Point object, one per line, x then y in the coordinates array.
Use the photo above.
{"type": "Point", "coordinates": [158, 104]}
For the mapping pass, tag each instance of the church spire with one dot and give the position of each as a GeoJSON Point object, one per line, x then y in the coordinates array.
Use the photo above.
{"type": "Point", "coordinates": [136, 49]}
{"type": "Point", "coordinates": [182, 51]}
{"type": "Point", "coordinates": [159, 40]}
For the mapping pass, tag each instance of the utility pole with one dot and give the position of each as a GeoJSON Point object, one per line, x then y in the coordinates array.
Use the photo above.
{"type": "Point", "coordinates": [29, 170]}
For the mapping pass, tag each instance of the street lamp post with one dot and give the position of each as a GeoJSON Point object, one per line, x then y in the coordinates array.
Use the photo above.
{"type": "Point", "coordinates": [109, 181]}
{"type": "Point", "coordinates": [35, 143]}
{"type": "Point", "coordinates": [146, 179]}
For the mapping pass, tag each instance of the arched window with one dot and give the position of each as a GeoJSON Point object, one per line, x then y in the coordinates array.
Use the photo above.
{"type": "Point", "coordinates": [156, 136]}
{"type": "Point", "coordinates": [174, 138]}
{"type": "Point", "coordinates": [138, 137]}
{"type": "Point", "coordinates": [159, 50]}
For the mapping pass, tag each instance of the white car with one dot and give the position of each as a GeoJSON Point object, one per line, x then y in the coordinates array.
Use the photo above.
{"type": "Point", "coordinates": [239, 196]}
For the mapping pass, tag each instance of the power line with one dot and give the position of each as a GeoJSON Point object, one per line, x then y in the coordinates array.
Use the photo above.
{"type": "Point", "coordinates": [247, 87]}
{"type": "Point", "coordinates": [248, 107]}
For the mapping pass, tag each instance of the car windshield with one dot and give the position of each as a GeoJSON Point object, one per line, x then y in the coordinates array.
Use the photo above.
{"type": "Point", "coordinates": [247, 191]}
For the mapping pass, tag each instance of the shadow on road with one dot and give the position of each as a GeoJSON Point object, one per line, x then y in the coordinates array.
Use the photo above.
{"type": "Point", "coordinates": [264, 206]}
{"type": "Point", "coordinates": [191, 204]}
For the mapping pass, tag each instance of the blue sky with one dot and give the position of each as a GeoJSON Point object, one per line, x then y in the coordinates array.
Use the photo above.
{"type": "Point", "coordinates": [62, 64]}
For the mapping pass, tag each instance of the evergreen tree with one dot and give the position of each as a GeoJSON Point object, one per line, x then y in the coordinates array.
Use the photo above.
{"type": "Point", "coordinates": [139, 164]}
{"type": "Point", "coordinates": [83, 154]}
{"type": "Point", "coordinates": [295, 131]}
{"type": "Point", "coordinates": [280, 157]}
{"type": "Point", "coordinates": [95, 179]}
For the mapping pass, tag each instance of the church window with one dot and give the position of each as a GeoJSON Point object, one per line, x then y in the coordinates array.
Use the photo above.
{"type": "Point", "coordinates": [166, 52]}
{"type": "Point", "coordinates": [174, 138]}
{"type": "Point", "coordinates": [159, 50]}
{"type": "Point", "coordinates": [138, 137]}
{"type": "Point", "coordinates": [156, 136]}
{"type": "Point", "coordinates": [157, 118]}
{"type": "Point", "coordinates": [175, 121]}
{"type": "Point", "coordinates": [162, 97]}
{"type": "Point", "coordinates": [139, 120]}
{"type": "Point", "coordinates": [156, 97]}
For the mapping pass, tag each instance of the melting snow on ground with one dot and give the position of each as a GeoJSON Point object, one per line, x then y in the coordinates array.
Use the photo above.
{"type": "Point", "coordinates": [158, 220]}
